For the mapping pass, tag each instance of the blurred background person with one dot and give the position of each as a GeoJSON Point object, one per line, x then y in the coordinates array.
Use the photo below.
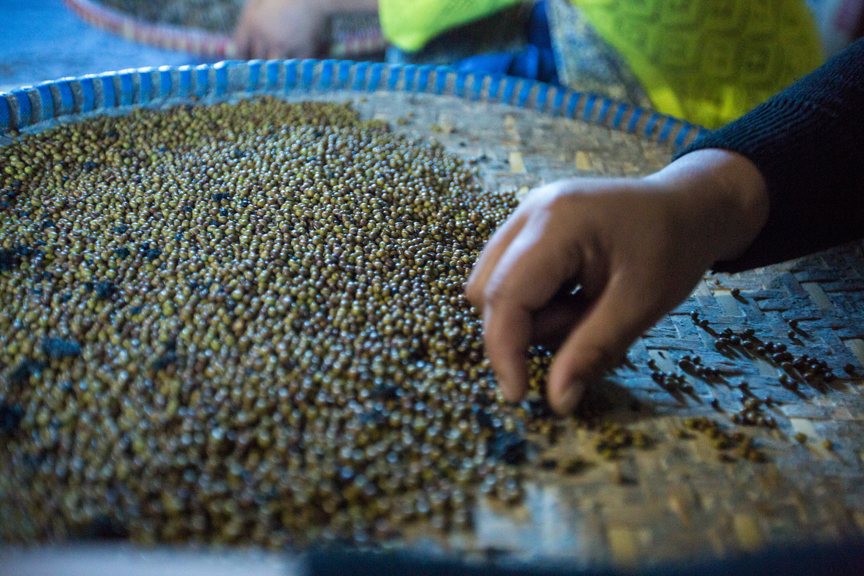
{"type": "Point", "coordinates": [707, 61]}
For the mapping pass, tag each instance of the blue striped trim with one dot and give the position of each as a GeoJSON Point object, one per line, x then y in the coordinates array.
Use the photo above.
{"type": "Point", "coordinates": [619, 115]}
{"type": "Point", "coordinates": [221, 86]}
{"type": "Point", "coordinates": [307, 74]}
{"type": "Point", "coordinates": [126, 94]}
{"type": "Point", "coordinates": [682, 136]}
{"type": "Point", "coordinates": [572, 103]}
{"type": "Point", "coordinates": [688, 133]}
{"type": "Point", "coordinates": [542, 97]}
{"type": "Point", "coordinates": [5, 116]}
{"type": "Point", "coordinates": [477, 87]}
{"type": "Point", "coordinates": [254, 73]}
{"type": "Point", "coordinates": [652, 122]}
{"type": "Point", "coordinates": [441, 74]}
{"type": "Point", "coordinates": [46, 98]}
{"type": "Point", "coordinates": [474, 86]}
{"type": "Point", "coordinates": [325, 81]}
{"type": "Point", "coordinates": [67, 100]}
{"type": "Point", "coordinates": [459, 84]}
{"type": "Point", "coordinates": [292, 75]}
{"type": "Point", "coordinates": [165, 82]}
{"type": "Point", "coordinates": [509, 89]}
{"type": "Point", "coordinates": [145, 85]}
{"type": "Point", "coordinates": [54, 99]}
{"type": "Point", "coordinates": [23, 108]}
{"type": "Point", "coordinates": [410, 75]}
{"type": "Point", "coordinates": [634, 120]}
{"type": "Point", "coordinates": [360, 72]}
{"type": "Point", "coordinates": [666, 130]}
{"type": "Point", "coordinates": [558, 102]}
{"type": "Point", "coordinates": [525, 93]}
{"type": "Point", "coordinates": [271, 74]}
{"type": "Point", "coordinates": [343, 74]}
{"type": "Point", "coordinates": [424, 74]}
{"type": "Point", "coordinates": [109, 94]}
{"type": "Point", "coordinates": [605, 106]}
{"type": "Point", "coordinates": [202, 81]}
{"type": "Point", "coordinates": [88, 96]}
{"type": "Point", "coordinates": [184, 85]}
{"type": "Point", "coordinates": [495, 84]}
{"type": "Point", "coordinates": [393, 78]}
{"type": "Point", "coordinates": [589, 107]}
{"type": "Point", "coordinates": [376, 71]}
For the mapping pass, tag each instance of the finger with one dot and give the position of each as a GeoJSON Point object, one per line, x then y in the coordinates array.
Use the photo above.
{"type": "Point", "coordinates": [619, 316]}
{"type": "Point", "coordinates": [553, 323]}
{"type": "Point", "coordinates": [529, 273]}
{"type": "Point", "coordinates": [485, 265]}
{"type": "Point", "coordinates": [506, 330]}
{"type": "Point", "coordinates": [500, 240]}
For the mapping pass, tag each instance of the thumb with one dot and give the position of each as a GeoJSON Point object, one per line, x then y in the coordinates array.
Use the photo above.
{"type": "Point", "coordinates": [616, 319]}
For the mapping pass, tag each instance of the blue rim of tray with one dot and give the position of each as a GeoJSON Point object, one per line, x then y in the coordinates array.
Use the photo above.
{"type": "Point", "coordinates": [30, 105]}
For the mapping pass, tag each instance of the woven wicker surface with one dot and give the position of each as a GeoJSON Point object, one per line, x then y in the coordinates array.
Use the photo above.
{"type": "Point", "coordinates": [676, 499]}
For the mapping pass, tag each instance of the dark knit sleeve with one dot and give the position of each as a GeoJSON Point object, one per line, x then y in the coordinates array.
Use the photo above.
{"type": "Point", "coordinates": [808, 142]}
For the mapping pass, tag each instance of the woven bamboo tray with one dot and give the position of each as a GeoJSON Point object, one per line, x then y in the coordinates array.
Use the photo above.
{"type": "Point", "coordinates": [678, 500]}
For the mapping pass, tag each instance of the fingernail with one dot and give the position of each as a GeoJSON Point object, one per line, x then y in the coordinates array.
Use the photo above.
{"type": "Point", "coordinates": [570, 398]}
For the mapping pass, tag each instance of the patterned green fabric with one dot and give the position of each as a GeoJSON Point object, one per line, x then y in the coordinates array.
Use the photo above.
{"type": "Point", "coordinates": [411, 24]}
{"type": "Point", "coordinates": [585, 62]}
{"type": "Point", "coordinates": [707, 61]}
{"type": "Point", "coordinates": [502, 31]}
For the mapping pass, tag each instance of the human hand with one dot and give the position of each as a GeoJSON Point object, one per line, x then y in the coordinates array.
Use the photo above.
{"type": "Point", "coordinates": [637, 248]}
{"type": "Point", "coordinates": [282, 28]}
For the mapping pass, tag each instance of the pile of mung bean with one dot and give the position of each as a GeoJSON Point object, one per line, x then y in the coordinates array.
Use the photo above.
{"type": "Point", "coordinates": [244, 323]}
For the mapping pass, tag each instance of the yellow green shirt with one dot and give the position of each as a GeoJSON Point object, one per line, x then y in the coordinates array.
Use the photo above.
{"type": "Point", "coordinates": [707, 61]}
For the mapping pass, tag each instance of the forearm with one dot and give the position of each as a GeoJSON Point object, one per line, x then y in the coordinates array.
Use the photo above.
{"type": "Point", "coordinates": [808, 144]}
{"type": "Point", "coordinates": [724, 200]}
